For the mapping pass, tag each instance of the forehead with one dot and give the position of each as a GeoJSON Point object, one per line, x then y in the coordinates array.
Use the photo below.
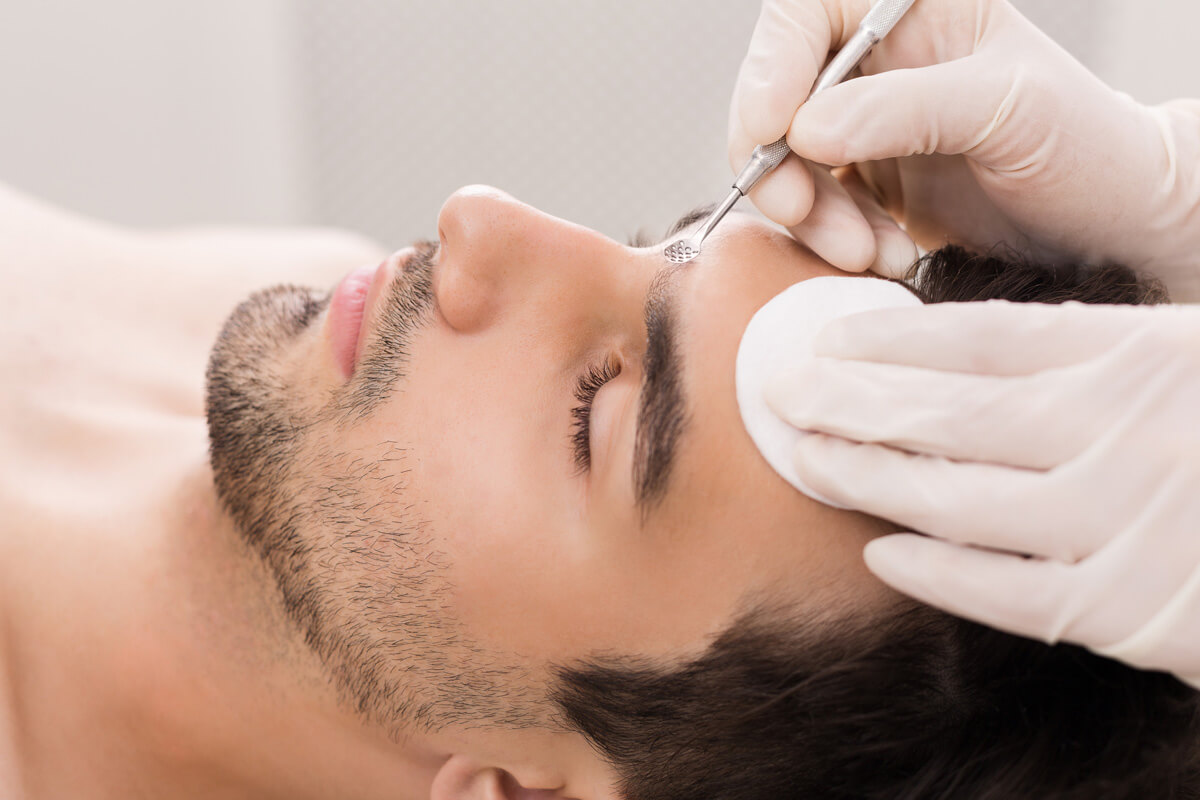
{"type": "Point", "coordinates": [770, 541]}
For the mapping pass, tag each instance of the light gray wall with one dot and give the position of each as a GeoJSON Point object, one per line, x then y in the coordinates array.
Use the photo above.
{"type": "Point", "coordinates": [607, 112]}
{"type": "Point", "coordinates": [153, 112]}
{"type": "Point", "coordinates": [367, 113]}
{"type": "Point", "coordinates": [1147, 48]}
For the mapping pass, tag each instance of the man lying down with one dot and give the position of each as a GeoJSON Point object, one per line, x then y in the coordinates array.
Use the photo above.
{"type": "Point", "coordinates": [510, 540]}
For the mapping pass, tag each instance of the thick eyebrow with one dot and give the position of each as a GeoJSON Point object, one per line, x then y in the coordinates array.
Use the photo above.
{"type": "Point", "coordinates": [641, 239]}
{"type": "Point", "coordinates": [662, 410]}
{"type": "Point", "coordinates": [689, 219]}
{"type": "Point", "coordinates": [662, 415]}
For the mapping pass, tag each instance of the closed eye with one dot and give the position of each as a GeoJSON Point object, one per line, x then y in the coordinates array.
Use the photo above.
{"type": "Point", "coordinates": [586, 387]}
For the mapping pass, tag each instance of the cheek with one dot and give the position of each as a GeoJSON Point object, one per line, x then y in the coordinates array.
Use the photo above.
{"type": "Point", "coordinates": [491, 474]}
{"type": "Point", "coordinates": [533, 569]}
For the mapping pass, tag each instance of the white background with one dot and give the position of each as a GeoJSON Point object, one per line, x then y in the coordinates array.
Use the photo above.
{"type": "Point", "coordinates": [366, 113]}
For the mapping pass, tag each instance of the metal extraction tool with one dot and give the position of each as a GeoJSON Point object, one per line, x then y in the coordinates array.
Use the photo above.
{"type": "Point", "coordinates": [878, 22]}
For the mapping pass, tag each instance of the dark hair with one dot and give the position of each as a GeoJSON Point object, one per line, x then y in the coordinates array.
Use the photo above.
{"type": "Point", "coordinates": [915, 706]}
{"type": "Point", "coordinates": [955, 275]}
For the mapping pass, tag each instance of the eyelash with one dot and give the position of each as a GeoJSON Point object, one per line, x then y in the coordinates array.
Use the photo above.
{"type": "Point", "coordinates": [586, 387]}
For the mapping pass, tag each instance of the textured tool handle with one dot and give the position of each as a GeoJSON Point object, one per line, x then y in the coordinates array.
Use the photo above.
{"type": "Point", "coordinates": [884, 15]}
{"type": "Point", "coordinates": [878, 22]}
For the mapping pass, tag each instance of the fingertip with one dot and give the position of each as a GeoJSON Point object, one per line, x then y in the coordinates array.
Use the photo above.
{"type": "Point", "coordinates": [786, 195]}
{"type": "Point", "coordinates": [892, 558]}
{"type": "Point", "coordinates": [844, 239]}
{"type": "Point", "coordinates": [885, 550]}
{"type": "Point", "coordinates": [815, 133]}
{"type": "Point", "coordinates": [857, 251]}
{"type": "Point", "coordinates": [895, 250]}
{"type": "Point", "coordinates": [895, 256]}
{"type": "Point", "coordinates": [835, 228]}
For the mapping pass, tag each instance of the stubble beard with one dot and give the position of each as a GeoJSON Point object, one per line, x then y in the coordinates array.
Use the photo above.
{"type": "Point", "coordinates": [355, 562]}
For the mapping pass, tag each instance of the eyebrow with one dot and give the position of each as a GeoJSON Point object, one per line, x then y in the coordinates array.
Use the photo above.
{"type": "Point", "coordinates": [689, 219]}
{"type": "Point", "coordinates": [642, 239]}
{"type": "Point", "coordinates": [662, 416]}
{"type": "Point", "coordinates": [662, 410]}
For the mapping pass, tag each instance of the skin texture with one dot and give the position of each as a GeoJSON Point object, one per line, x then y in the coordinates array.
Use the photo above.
{"type": "Point", "coordinates": [452, 553]}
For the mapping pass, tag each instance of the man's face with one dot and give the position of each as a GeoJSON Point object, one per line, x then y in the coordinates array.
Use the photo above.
{"type": "Point", "coordinates": [447, 523]}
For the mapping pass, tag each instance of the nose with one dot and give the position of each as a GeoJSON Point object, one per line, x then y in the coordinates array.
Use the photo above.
{"type": "Point", "coordinates": [499, 254]}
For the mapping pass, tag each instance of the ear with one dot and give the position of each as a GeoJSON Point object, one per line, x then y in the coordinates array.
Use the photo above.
{"type": "Point", "coordinates": [463, 778]}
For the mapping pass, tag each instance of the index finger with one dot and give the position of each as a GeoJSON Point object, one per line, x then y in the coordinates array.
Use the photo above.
{"type": "Point", "coordinates": [1001, 590]}
{"type": "Point", "coordinates": [994, 337]}
{"type": "Point", "coordinates": [790, 44]}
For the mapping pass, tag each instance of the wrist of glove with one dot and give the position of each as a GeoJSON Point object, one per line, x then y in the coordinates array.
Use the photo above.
{"type": "Point", "coordinates": [1050, 453]}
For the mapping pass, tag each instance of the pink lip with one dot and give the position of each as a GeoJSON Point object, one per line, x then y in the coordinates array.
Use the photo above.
{"type": "Point", "coordinates": [347, 313]}
{"type": "Point", "coordinates": [349, 316]}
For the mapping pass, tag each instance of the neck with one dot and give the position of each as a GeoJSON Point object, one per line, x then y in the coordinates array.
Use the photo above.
{"type": "Point", "coordinates": [184, 677]}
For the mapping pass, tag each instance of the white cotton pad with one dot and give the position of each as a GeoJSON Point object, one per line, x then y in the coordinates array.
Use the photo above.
{"type": "Point", "coordinates": [780, 335]}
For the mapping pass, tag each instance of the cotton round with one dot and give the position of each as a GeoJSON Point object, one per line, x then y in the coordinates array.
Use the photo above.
{"type": "Point", "coordinates": [780, 335]}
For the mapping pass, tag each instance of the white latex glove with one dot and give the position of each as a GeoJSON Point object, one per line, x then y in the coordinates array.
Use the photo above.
{"type": "Point", "coordinates": [1067, 433]}
{"type": "Point", "coordinates": [971, 126]}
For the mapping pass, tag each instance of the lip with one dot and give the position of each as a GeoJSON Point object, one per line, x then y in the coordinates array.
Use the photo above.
{"type": "Point", "coordinates": [346, 313]}
{"type": "Point", "coordinates": [350, 308]}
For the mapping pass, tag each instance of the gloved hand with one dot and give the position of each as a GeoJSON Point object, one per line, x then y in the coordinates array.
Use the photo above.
{"type": "Point", "coordinates": [1067, 433]}
{"type": "Point", "coordinates": [971, 126]}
